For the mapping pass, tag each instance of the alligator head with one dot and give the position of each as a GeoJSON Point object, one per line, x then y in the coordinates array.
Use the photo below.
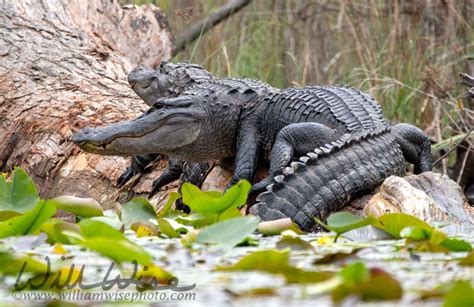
{"type": "Point", "coordinates": [180, 127]}
{"type": "Point", "coordinates": [169, 80]}
{"type": "Point", "coordinates": [172, 124]}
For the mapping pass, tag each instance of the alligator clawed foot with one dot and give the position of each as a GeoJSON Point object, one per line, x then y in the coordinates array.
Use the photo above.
{"type": "Point", "coordinates": [125, 177]}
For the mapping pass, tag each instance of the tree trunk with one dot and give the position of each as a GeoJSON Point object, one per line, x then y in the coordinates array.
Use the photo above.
{"type": "Point", "coordinates": [63, 66]}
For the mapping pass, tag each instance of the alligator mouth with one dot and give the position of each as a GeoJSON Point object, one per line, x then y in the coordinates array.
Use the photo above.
{"type": "Point", "coordinates": [154, 132]}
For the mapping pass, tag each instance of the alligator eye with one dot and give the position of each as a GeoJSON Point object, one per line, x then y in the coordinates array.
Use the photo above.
{"type": "Point", "coordinates": [145, 83]}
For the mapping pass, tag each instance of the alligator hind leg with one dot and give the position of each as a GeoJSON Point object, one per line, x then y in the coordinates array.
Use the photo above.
{"type": "Point", "coordinates": [415, 145]}
{"type": "Point", "coordinates": [295, 139]}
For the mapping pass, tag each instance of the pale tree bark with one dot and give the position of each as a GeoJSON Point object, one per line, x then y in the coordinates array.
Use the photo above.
{"type": "Point", "coordinates": [63, 66]}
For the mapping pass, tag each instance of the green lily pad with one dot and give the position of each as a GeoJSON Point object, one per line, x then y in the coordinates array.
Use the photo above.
{"type": "Point", "coordinates": [29, 222]}
{"type": "Point", "coordinates": [19, 194]}
{"type": "Point", "coordinates": [394, 223]}
{"type": "Point", "coordinates": [11, 264]}
{"type": "Point", "coordinates": [138, 209]}
{"type": "Point", "coordinates": [456, 245]}
{"type": "Point", "coordinates": [167, 228]}
{"type": "Point", "coordinates": [460, 294]}
{"type": "Point", "coordinates": [295, 244]}
{"type": "Point", "coordinates": [208, 203]}
{"type": "Point", "coordinates": [229, 233]}
{"type": "Point", "coordinates": [276, 227]}
{"type": "Point", "coordinates": [468, 260]}
{"type": "Point", "coordinates": [109, 242]}
{"type": "Point", "coordinates": [276, 262]}
{"type": "Point", "coordinates": [341, 222]}
{"type": "Point", "coordinates": [54, 230]}
{"type": "Point", "coordinates": [85, 207]}
{"type": "Point", "coordinates": [171, 199]}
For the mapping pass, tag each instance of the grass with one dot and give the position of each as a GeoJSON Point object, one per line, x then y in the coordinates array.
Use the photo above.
{"type": "Point", "coordinates": [407, 56]}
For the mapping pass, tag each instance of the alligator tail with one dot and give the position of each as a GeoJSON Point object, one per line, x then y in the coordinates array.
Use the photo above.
{"type": "Point", "coordinates": [325, 180]}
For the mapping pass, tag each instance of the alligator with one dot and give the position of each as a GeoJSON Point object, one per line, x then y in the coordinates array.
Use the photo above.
{"type": "Point", "coordinates": [169, 80]}
{"type": "Point", "coordinates": [240, 118]}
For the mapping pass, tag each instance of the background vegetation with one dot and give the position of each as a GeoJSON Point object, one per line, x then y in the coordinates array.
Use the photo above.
{"type": "Point", "coordinates": [407, 54]}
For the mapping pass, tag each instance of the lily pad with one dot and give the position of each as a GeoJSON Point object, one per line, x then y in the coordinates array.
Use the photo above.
{"type": "Point", "coordinates": [294, 243]}
{"type": "Point", "coordinates": [276, 262]}
{"type": "Point", "coordinates": [109, 242]}
{"type": "Point", "coordinates": [276, 227]}
{"type": "Point", "coordinates": [85, 207]}
{"type": "Point", "coordinates": [171, 199]}
{"type": "Point", "coordinates": [167, 228]}
{"type": "Point", "coordinates": [468, 260]}
{"type": "Point", "coordinates": [341, 222]}
{"type": "Point", "coordinates": [229, 233]}
{"type": "Point", "coordinates": [138, 209]}
{"type": "Point", "coordinates": [394, 223]}
{"type": "Point", "coordinates": [29, 222]}
{"type": "Point", "coordinates": [19, 194]}
{"type": "Point", "coordinates": [208, 203]}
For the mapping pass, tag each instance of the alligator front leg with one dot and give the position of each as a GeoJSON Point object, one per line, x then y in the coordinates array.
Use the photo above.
{"type": "Point", "coordinates": [138, 165]}
{"type": "Point", "coordinates": [295, 139]}
{"type": "Point", "coordinates": [194, 173]}
{"type": "Point", "coordinates": [171, 173]}
{"type": "Point", "coordinates": [415, 145]}
{"type": "Point", "coordinates": [246, 159]}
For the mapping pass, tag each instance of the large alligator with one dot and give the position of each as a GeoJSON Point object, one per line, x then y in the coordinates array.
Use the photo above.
{"type": "Point", "coordinates": [235, 118]}
{"type": "Point", "coordinates": [169, 80]}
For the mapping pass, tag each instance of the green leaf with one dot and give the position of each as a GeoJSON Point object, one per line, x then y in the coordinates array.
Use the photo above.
{"type": "Point", "coordinates": [207, 203]}
{"type": "Point", "coordinates": [171, 199]}
{"type": "Point", "coordinates": [295, 244]}
{"type": "Point", "coordinates": [229, 233]}
{"type": "Point", "coordinates": [341, 222]}
{"type": "Point", "coordinates": [109, 242]}
{"type": "Point", "coordinates": [230, 213]}
{"type": "Point", "coordinates": [92, 228]}
{"type": "Point", "coordinates": [337, 257]}
{"type": "Point", "coordinates": [138, 209]}
{"type": "Point", "coordinates": [271, 261]}
{"type": "Point", "coordinates": [167, 228]}
{"type": "Point", "coordinates": [354, 273]}
{"type": "Point", "coordinates": [54, 230]}
{"type": "Point", "coordinates": [29, 222]}
{"type": "Point", "coordinates": [414, 233]}
{"type": "Point", "coordinates": [85, 207]}
{"type": "Point", "coordinates": [11, 264]}
{"type": "Point", "coordinates": [381, 286]}
{"type": "Point", "coordinates": [118, 250]}
{"type": "Point", "coordinates": [19, 194]}
{"type": "Point", "coordinates": [456, 245]}
{"type": "Point", "coordinates": [461, 294]}
{"type": "Point", "coordinates": [276, 262]}
{"type": "Point", "coordinates": [393, 223]}
{"type": "Point", "coordinates": [276, 227]}
{"type": "Point", "coordinates": [196, 220]}
{"type": "Point", "coordinates": [370, 285]}
{"type": "Point", "coordinates": [468, 260]}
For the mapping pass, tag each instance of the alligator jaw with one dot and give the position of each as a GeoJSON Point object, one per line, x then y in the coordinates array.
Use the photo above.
{"type": "Point", "coordinates": [161, 131]}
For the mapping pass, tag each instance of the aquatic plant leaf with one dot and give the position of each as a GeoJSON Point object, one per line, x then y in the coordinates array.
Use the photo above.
{"type": "Point", "coordinates": [18, 194]}
{"type": "Point", "coordinates": [29, 221]}
{"type": "Point", "coordinates": [85, 207]}
{"type": "Point", "coordinates": [229, 233]}
{"type": "Point", "coordinates": [136, 210]}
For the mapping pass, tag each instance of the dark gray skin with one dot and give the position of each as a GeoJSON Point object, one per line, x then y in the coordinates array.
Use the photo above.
{"type": "Point", "coordinates": [328, 178]}
{"type": "Point", "coordinates": [170, 80]}
{"type": "Point", "coordinates": [226, 118]}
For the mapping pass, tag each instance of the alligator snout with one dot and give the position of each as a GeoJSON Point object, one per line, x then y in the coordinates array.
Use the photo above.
{"type": "Point", "coordinates": [141, 76]}
{"type": "Point", "coordinates": [84, 135]}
